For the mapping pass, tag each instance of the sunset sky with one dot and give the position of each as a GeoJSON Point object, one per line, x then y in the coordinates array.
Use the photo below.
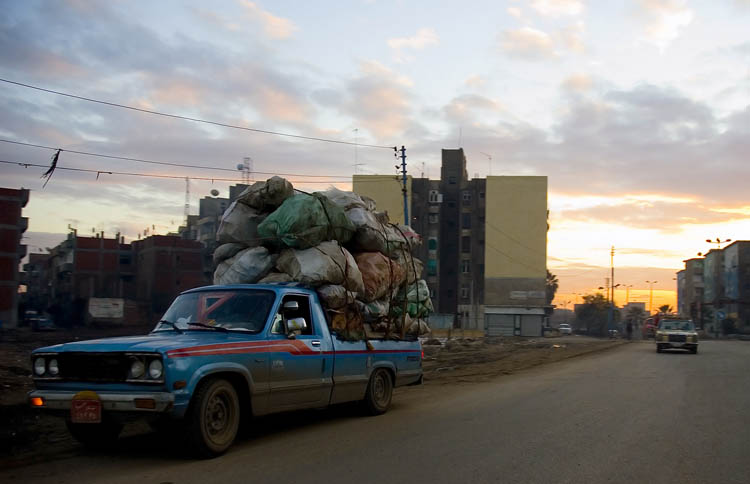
{"type": "Point", "coordinates": [637, 111]}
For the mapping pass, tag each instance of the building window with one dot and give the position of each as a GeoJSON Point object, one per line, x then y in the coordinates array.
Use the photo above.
{"type": "Point", "coordinates": [432, 243]}
{"type": "Point", "coordinates": [432, 293]}
{"type": "Point", "coordinates": [464, 292]}
{"type": "Point", "coordinates": [433, 218]}
{"type": "Point", "coordinates": [481, 194]}
{"type": "Point", "coordinates": [465, 266]}
{"type": "Point", "coordinates": [434, 196]}
{"type": "Point", "coordinates": [466, 220]}
{"type": "Point", "coordinates": [432, 267]}
{"type": "Point", "coordinates": [452, 180]}
{"type": "Point", "coordinates": [451, 204]}
{"type": "Point", "coordinates": [466, 244]}
{"type": "Point", "coordinates": [466, 196]}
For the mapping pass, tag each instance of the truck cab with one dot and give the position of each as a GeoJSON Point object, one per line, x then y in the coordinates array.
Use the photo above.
{"type": "Point", "coordinates": [219, 355]}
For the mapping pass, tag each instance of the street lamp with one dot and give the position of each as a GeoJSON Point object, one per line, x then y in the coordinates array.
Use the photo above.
{"type": "Point", "coordinates": [718, 242]}
{"type": "Point", "coordinates": [627, 292]}
{"type": "Point", "coordinates": [651, 295]}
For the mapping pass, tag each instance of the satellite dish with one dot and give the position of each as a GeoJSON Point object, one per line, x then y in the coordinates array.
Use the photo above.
{"type": "Point", "coordinates": [215, 192]}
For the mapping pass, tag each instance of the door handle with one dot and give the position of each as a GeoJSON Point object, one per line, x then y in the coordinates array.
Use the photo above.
{"type": "Point", "coordinates": [315, 342]}
{"type": "Point", "coordinates": [259, 360]}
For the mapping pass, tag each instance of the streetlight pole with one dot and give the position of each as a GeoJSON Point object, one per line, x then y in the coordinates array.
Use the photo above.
{"type": "Point", "coordinates": [718, 242]}
{"type": "Point", "coordinates": [651, 295]}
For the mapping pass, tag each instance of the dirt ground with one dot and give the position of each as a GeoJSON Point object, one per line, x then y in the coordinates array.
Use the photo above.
{"type": "Point", "coordinates": [28, 436]}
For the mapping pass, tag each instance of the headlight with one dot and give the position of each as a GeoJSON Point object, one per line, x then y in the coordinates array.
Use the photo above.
{"type": "Point", "coordinates": [155, 369]}
{"type": "Point", "coordinates": [39, 366]}
{"type": "Point", "coordinates": [53, 368]}
{"type": "Point", "coordinates": [137, 369]}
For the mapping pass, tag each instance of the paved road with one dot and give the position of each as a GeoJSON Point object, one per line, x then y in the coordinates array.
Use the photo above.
{"type": "Point", "coordinates": [626, 415]}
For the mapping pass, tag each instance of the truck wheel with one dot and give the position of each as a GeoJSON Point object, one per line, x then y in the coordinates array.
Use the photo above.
{"type": "Point", "coordinates": [213, 418]}
{"type": "Point", "coordinates": [379, 392]}
{"type": "Point", "coordinates": [694, 350]}
{"type": "Point", "coordinates": [95, 435]}
{"type": "Point", "coordinates": [658, 349]}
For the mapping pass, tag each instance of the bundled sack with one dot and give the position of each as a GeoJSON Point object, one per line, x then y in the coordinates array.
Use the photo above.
{"type": "Point", "coordinates": [374, 311]}
{"type": "Point", "coordinates": [225, 251]}
{"type": "Point", "coordinates": [335, 297]}
{"type": "Point", "coordinates": [239, 224]}
{"type": "Point", "coordinates": [304, 221]}
{"type": "Point", "coordinates": [275, 277]}
{"type": "Point", "coordinates": [413, 267]}
{"type": "Point", "coordinates": [347, 323]}
{"type": "Point", "coordinates": [416, 300]}
{"type": "Point", "coordinates": [344, 200]}
{"type": "Point", "coordinates": [380, 274]}
{"type": "Point", "coordinates": [373, 235]}
{"type": "Point", "coordinates": [267, 196]}
{"type": "Point", "coordinates": [327, 263]}
{"type": "Point", "coordinates": [417, 327]}
{"type": "Point", "coordinates": [246, 267]}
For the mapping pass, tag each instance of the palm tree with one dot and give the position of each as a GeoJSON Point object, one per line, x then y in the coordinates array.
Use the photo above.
{"type": "Point", "coordinates": [551, 285]}
{"type": "Point", "coordinates": [665, 308]}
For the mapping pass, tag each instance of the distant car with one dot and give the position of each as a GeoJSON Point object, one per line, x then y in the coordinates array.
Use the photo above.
{"type": "Point", "coordinates": [676, 334]}
{"type": "Point", "coordinates": [565, 328]}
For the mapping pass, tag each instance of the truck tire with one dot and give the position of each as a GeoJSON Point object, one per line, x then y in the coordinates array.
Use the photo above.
{"type": "Point", "coordinates": [95, 435]}
{"type": "Point", "coordinates": [658, 348]}
{"type": "Point", "coordinates": [213, 418]}
{"type": "Point", "coordinates": [379, 392]}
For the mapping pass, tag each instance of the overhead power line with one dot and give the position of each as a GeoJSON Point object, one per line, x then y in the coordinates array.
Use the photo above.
{"type": "Point", "coordinates": [188, 118]}
{"type": "Point", "coordinates": [165, 163]}
{"type": "Point", "coordinates": [152, 175]}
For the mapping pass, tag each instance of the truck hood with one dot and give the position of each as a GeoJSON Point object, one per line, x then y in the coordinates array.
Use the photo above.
{"type": "Point", "coordinates": [160, 342]}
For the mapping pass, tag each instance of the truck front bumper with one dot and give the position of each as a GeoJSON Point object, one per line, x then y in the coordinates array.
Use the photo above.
{"type": "Point", "coordinates": [155, 402]}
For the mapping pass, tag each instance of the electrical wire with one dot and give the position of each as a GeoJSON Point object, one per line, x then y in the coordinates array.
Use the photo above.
{"type": "Point", "coordinates": [197, 120]}
{"type": "Point", "coordinates": [512, 259]}
{"type": "Point", "coordinates": [151, 175]}
{"type": "Point", "coordinates": [165, 163]}
{"type": "Point", "coordinates": [514, 239]}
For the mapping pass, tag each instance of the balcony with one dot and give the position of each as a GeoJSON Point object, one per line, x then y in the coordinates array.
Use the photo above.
{"type": "Point", "coordinates": [23, 224]}
{"type": "Point", "coordinates": [22, 249]}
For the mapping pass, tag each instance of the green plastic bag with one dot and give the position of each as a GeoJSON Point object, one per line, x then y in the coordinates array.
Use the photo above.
{"type": "Point", "coordinates": [304, 221]}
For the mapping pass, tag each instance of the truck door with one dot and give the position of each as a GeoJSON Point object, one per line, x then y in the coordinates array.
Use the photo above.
{"type": "Point", "coordinates": [298, 364]}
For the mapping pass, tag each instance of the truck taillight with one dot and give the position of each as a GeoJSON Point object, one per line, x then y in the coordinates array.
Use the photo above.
{"type": "Point", "coordinates": [423, 354]}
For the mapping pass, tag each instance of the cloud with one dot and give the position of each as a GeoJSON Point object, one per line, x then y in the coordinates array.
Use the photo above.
{"type": "Point", "coordinates": [423, 38]}
{"type": "Point", "coordinates": [475, 81]}
{"type": "Point", "coordinates": [275, 27]}
{"type": "Point", "coordinates": [532, 44]}
{"type": "Point", "coordinates": [557, 7]}
{"type": "Point", "coordinates": [514, 12]}
{"type": "Point", "coordinates": [578, 83]}
{"type": "Point", "coordinates": [467, 106]}
{"type": "Point", "coordinates": [527, 43]}
{"type": "Point", "coordinates": [663, 20]}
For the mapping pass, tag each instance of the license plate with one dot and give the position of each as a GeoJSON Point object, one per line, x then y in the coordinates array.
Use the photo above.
{"type": "Point", "coordinates": [86, 411]}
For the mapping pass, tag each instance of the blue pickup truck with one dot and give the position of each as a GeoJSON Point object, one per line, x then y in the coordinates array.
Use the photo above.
{"type": "Point", "coordinates": [220, 355]}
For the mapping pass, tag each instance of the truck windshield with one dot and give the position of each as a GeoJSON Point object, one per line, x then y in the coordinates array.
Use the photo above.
{"type": "Point", "coordinates": [237, 310]}
{"type": "Point", "coordinates": [676, 326]}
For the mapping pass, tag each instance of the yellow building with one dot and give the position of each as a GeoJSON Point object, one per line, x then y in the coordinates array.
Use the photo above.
{"type": "Point", "coordinates": [515, 255]}
{"type": "Point", "coordinates": [387, 192]}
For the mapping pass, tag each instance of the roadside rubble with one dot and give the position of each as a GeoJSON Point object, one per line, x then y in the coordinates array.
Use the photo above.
{"type": "Point", "coordinates": [335, 241]}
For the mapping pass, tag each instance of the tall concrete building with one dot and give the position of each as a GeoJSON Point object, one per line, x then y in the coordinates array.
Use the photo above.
{"type": "Point", "coordinates": [12, 227]}
{"type": "Point", "coordinates": [484, 243]}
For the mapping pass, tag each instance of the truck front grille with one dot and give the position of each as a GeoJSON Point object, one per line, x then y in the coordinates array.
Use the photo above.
{"type": "Point", "coordinates": [94, 367]}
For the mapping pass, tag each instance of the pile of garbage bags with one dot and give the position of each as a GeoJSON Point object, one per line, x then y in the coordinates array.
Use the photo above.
{"type": "Point", "coordinates": [335, 241]}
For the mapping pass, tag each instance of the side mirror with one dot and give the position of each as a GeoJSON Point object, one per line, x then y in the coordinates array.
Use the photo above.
{"type": "Point", "coordinates": [291, 306]}
{"type": "Point", "coordinates": [295, 324]}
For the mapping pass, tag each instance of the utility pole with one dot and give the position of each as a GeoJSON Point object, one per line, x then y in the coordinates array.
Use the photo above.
{"type": "Point", "coordinates": [403, 188]}
{"type": "Point", "coordinates": [651, 295]}
{"type": "Point", "coordinates": [612, 268]}
{"type": "Point", "coordinates": [187, 201]}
